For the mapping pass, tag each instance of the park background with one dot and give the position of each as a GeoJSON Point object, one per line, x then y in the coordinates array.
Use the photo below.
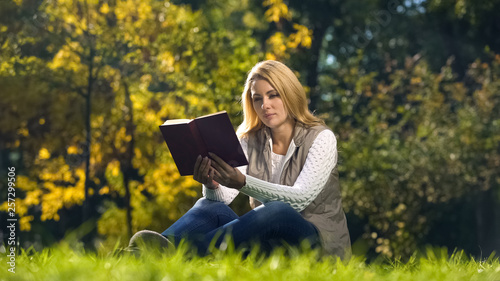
{"type": "Point", "coordinates": [411, 88]}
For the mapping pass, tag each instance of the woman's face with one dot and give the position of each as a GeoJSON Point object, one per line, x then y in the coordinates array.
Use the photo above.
{"type": "Point", "coordinates": [268, 105]}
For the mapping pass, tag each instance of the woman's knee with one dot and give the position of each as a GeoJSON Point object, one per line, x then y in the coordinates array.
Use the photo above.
{"type": "Point", "coordinates": [278, 207]}
{"type": "Point", "coordinates": [279, 211]}
{"type": "Point", "coordinates": [206, 204]}
{"type": "Point", "coordinates": [213, 208]}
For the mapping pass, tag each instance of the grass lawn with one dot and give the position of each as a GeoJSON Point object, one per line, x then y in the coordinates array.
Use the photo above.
{"type": "Point", "coordinates": [63, 263]}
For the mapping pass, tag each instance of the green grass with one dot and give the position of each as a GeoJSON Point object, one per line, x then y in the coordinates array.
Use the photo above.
{"type": "Point", "coordinates": [64, 263]}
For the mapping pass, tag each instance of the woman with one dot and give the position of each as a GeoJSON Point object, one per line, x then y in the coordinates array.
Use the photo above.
{"type": "Point", "coordinates": [292, 174]}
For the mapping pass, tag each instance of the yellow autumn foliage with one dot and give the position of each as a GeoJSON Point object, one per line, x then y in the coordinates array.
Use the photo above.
{"type": "Point", "coordinates": [146, 43]}
{"type": "Point", "coordinates": [23, 132]}
{"type": "Point", "coordinates": [68, 59]}
{"type": "Point", "coordinates": [43, 153]}
{"type": "Point", "coordinates": [25, 223]}
{"type": "Point", "coordinates": [277, 10]}
{"type": "Point", "coordinates": [104, 8]}
{"type": "Point", "coordinates": [277, 44]}
{"type": "Point", "coordinates": [303, 37]}
{"type": "Point", "coordinates": [72, 149]}
{"type": "Point", "coordinates": [49, 194]}
{"type": "Point", "coordinates": [51, 202]}
{"type": "Point", "coordinates": [104, 190]}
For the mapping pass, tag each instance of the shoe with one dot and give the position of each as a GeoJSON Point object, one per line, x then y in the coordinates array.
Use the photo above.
{"type": "Point", "coordinates": [147, 239]}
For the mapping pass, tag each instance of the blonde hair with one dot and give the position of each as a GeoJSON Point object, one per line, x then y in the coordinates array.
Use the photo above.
{"type": "Point", "coordinates": [284, 81]}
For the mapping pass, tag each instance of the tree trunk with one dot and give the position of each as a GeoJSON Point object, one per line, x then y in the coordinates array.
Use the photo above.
{"type": "Point", "coordinates": [312, 66]}
{"type": "Point", "coordinates": [88, 141]}
{"type": "Point", "coordinates": [129, 154]}
{"type": "Point", "coordinates": [487, 223]}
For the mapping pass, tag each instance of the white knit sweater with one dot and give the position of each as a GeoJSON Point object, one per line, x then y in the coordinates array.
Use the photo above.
{"type": "Point", "coordinates": [320, 161]}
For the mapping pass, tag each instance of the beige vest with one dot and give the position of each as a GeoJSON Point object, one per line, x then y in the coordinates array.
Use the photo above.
{"type": "Point", "coordinates": [325, 212]}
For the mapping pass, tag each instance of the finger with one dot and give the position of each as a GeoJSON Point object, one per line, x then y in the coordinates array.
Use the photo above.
{"type": "Point", "coordinates": [224, 166]}
{"type": "Point", "coordinates": [217, 167]}
{"type": "Point", "coordinates": [196, 167]}
{"type": "Point", "coordinates": [212, 177]}
{"type": "Point", "coordinates": [203, 165]}
{"type": "Point", "coordinates": [218, 180]}
{"type": "Point", "coordinates": [203, 170]}
{"type": "Point", "coordinates": [211, 173]}
{"type": "Point", "coordinates": [209, 167]}
{"type": "Point", "coordinates": [218, 177]}
{"type": "Point", "coordinates": [206, 171]}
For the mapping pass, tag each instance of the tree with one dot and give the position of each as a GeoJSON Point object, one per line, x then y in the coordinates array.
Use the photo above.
{"type": "Point", "coordinates": [407, 154]}
{"type": "Point", "coordinates": [177, 67]}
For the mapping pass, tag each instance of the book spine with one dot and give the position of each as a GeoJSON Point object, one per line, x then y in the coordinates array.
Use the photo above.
{"type": "Point", "coordinates": [198, 138]}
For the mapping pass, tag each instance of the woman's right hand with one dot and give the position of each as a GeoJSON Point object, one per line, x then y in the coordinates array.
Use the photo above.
{"type": "Point", "coordinates": [204, 173]}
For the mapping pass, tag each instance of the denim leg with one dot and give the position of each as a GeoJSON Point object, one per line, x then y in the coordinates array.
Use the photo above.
{"type": "Point", "coordinates": [205, 216]}
{"type": "Point", "coordinates": [268, 225]}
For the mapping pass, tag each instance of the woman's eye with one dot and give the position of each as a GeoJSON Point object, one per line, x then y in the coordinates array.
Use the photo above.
{"type": "Point", "coordinates": [274, 96]}
{"type": "Point", "coordinates": [257, 99]}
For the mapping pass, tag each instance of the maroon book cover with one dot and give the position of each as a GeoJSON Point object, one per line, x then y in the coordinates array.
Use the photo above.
{"type": "Point", "coordinates": [186, 139]}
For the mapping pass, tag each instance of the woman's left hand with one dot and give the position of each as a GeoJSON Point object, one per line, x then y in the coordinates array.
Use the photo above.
{"type": "Point", "coordinates": [225, 174]}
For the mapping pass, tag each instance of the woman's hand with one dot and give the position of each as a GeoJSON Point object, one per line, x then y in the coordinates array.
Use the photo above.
{"type": "Point", "coordinates": [225, 174]}
{"type": "Point", "coordinates": [204, 173]}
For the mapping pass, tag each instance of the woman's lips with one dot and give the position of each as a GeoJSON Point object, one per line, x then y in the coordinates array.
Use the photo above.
{"type": "Point", "coordinates": [268, 115]}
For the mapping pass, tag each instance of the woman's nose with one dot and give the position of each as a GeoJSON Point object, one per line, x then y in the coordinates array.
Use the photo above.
{"type": "Point", "coordinates": [265, 103]}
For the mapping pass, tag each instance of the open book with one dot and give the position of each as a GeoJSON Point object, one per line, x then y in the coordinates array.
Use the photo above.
{"type": "Point", "coordinates": [188, 138]}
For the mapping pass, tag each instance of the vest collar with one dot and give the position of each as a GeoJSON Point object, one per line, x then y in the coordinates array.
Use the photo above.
{"type": "Point", "coordinates": [299, 134]}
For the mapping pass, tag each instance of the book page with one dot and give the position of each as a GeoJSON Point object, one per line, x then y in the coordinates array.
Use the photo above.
{"type": "Point", "coordinates": [213, 114]}
{"type": "Point", "coordinates": [177, 121]}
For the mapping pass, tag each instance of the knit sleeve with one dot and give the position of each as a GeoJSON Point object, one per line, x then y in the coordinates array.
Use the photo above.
{"type": "Point", "coordinates": [320, 161]}
{"type": "Point", "coordinates": [223, 193]}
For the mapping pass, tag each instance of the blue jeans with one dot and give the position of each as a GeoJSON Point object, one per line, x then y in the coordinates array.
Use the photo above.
{"type": "Point", "coordinates": [269, 225]}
